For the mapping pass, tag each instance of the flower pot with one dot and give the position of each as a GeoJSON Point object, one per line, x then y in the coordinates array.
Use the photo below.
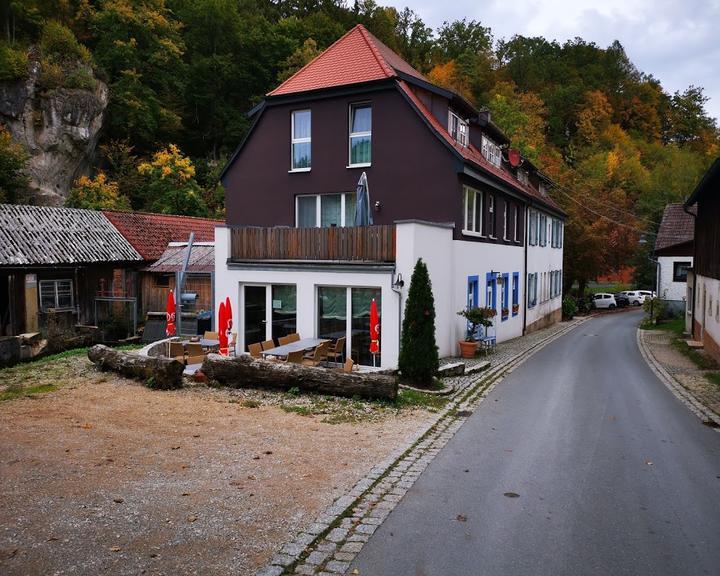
{"type": "Point", "coordinates": [467, 349]}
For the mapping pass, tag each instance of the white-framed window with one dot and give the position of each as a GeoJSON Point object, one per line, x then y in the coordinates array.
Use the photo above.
{"type": "Point", "coordinates": [491, 215]}
{"type": "Point", "coordinates": [491, 151]}
{"type": "Point", "coordinates": [542, 229]}
{"type": "Point", "coordinates": [532, 290]}
{"type": "Point", "coordinates": [560, 234]}
{"type": "Point", "coordinates": [458, 128]}
{"type": "Point", "coordinates": [522, 176]}
{"type": "Point", "coordinates": [505, 220]}
{"type": "Point", "coordinates": [532, 227]}
{"type": "Point", "coordinates": [473, 210]}
{"type": "Point", "coordinates": [325, 210]}
{"type": "Point", "coordinates": [516, 221]}
{"type": "Point", "coordinates": [300, 140]}
{"type": "Point", "coordinates": [56, 295]}
{"type": "Point", "coordinates": [360, 144]}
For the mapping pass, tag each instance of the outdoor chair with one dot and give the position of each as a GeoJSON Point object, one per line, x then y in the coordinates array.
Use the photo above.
{"type": "Point", "coordinates": [294, 337]}
{"type": "Point", "coordinates": [284, 340]}
{"type": "Point", "coordinates": [194, 350]}
{"type": "Point", "coordinates": [232, 347]}
{"type": "Point", "coordinates": [211, 336]}
{"type": "Point", "coordinates": [295, 357]}
{"type": "Point", "coordinates": [318, 355]}
{"type": "Point", "coordinates": [195, 359]}
{"type": "Point", "coordinates": [177, 351]}
{"type": "Point", "coordinates": [267, 345]}
{"type": "Point", "coordinates": [255, 350]}
{"type": "Point", "coordinates": [337, 352]}
{"type": "Point", "coordinates": [348, 366]}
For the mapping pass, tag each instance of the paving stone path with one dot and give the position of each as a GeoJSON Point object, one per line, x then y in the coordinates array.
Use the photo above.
{"type": "Point", "coordinates": [327, 546]}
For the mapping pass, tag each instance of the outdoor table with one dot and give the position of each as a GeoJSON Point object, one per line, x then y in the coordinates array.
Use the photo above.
{"type": "Point", "coordinates": [285, 349]}
{"type": "Point", "coordinates": [208, 343]}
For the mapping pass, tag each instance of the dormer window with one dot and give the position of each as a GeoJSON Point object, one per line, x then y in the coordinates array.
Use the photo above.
{"type": "Point", "coordinates": [522, 176]}
{"type": "Point", "coordinates": [491, 151]}
{"type": "Point", "coordinates": [458, 128]}
{"type": "Point", "coordinates": [542, 189]}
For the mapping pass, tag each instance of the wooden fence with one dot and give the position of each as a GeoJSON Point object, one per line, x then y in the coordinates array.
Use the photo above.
{"type": "Point", "coordinates": [365, 243]}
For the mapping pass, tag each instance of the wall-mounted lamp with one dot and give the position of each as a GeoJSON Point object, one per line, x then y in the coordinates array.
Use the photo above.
{"type": "Point", "coordinates": [377, 205]}
{"type": "Point", "coordinates": [399, 282]}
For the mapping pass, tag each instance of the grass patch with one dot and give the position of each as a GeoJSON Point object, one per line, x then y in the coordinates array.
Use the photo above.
{"type": "Point", "coordinates": [302, 410]}
{"type": "Point", "coordinates": [415, 399]}
{"type": "Point", "coordinates": [250, 404]}
{"type": "Point", "coordinates": [714, 377]}
{"type": "Point", "coordinates": [676, 325]}
{"type": "Point", "coordinates": [15, 391]}
{"type": "Point", "coordinates": [700, 360]}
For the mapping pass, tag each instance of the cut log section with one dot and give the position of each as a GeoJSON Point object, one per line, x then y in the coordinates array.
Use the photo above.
{"type": "Point", "coordinates": [156, 372]}
{"type": "Point", "coordinates": [247, 372]}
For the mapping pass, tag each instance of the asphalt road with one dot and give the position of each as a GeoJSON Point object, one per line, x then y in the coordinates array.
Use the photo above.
{"type": "Point", "coordinates": [613, 475]}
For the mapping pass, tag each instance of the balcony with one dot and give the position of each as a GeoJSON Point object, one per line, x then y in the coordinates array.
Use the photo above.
{"type": "Point", "coordinates": [351, 244]}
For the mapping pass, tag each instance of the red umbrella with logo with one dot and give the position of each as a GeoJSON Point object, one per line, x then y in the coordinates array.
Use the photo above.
{"type": "Point", "coordinates": [374, 330]}
{"type": "Point", "coordinates": [170, 315]}
{"type": "Point", "coordinates": [228, 320]}
{"type": "Point", "coordinates": [222, 329]}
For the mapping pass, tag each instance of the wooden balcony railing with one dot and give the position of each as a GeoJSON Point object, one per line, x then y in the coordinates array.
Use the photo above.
{"type": "Point", "coordinates": [362, 243]}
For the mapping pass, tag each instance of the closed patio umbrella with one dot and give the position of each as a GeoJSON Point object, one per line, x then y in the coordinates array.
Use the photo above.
{"type": "Point", "coordinates": [170, 315]}
{"type": "Point", "coordinates": [229, 321]}
{"type": "Point", "coordinates": [222, 328]}
{"type": "Point", "coordinates": [363, 214]}
{"type": "Point", "coordinates": [374, 330]}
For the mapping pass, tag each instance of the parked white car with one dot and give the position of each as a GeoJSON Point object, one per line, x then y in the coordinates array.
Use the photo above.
{"type": "Point", "coordinates": [637, 297]}
{"type": "Point", "coordinates": [604, 300]}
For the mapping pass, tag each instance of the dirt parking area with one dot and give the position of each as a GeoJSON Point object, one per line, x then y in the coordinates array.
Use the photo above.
{"type": "Point", "coordinates": [103, 476]}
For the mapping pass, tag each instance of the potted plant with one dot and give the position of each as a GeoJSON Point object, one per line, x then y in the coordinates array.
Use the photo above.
{"type": "Point", "coordinates": [475, 317]}
{"type": "Point", "coordinates": [515, 308]}
{"type": "Point", "coordinates": [505, 313]}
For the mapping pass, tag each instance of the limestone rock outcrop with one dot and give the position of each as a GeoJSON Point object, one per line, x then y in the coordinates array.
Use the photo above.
{"type": "Point", "coordinates": [58, 128]}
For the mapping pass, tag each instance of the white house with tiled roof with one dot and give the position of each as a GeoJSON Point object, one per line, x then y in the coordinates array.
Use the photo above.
{"type": "Point", "coordinates": [445, 186]}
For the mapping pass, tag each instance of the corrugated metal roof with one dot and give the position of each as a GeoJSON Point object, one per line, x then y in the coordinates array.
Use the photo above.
{"type": "Point", "coordinates": [202, 259]}
{"type": "Point", "coordinates": [44, 235]}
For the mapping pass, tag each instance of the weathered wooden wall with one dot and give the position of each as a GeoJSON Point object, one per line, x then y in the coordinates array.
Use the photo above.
{"type": "Point", "coordinates": [154, 297]}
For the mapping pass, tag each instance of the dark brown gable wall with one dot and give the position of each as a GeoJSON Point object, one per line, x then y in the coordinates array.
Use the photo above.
{"type": "Point", "coordinates": [707, 235]}
{"type": "Point", "coordinates": [413, 174]}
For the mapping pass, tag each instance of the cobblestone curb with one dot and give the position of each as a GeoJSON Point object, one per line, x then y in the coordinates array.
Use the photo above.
{"type": "Point", "coordinates": [330, 544]}
{"type": "Point", "coordinates": [706, 415]}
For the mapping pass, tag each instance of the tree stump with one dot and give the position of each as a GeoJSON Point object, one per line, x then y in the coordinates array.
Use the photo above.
{"type": "Point", "coordinates": [247, 372]}
{"type": "Point", "coordinates": [155, 372]}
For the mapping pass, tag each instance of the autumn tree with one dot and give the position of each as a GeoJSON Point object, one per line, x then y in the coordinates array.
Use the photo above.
{"type": "Point", "coordinates": [13, 179]}
{"type": "Point", "coordinates": [97, 193]}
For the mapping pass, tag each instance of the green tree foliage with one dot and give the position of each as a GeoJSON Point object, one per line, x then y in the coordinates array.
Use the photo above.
{"type": "Point", "coordinates": [12, 165]}
{"type": "Point", "coordinates": [418, 361]}
{"type": "Point", "coordinates": [97, 193]}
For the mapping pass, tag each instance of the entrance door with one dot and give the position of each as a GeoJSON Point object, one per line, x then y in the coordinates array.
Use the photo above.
{"type": "Point", "coordinates": [255, 314]}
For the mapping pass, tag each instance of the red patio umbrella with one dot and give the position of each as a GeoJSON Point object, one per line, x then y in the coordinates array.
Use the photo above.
{"type": "Point", "coordinates": [228, 315]}
{"type": "Point", "coordinates": [170, 315]}
{"type": "Point", "coordinates": [222, 329]}
{"type": "Point", "coordinates": [374, 329]}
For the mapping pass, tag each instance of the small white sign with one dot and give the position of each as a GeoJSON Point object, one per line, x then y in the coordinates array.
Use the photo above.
{"type": "Point", "coordinates": [277, 304]}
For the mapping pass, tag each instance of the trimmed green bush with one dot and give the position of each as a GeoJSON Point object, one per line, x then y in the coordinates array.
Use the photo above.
{"type": "Point", "coordinates": [569, 307]}
{"type": "Point", "coordinates": [419, 361]}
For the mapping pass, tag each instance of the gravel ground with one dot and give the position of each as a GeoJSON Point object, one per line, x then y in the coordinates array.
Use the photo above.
{"type": "Point", "coordinates": [683, 369]}
{"type": "Point", "coordinates": [103, 476]}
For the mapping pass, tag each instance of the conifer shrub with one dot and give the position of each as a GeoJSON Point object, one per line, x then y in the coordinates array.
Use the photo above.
{"type": "Point", "coordinates": [419, 361]}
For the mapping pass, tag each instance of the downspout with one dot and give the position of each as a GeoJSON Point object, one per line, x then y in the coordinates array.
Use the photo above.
{"type": "Point", "coordinates": [398, 291]}
{"type": "Point", "coordinates": [692, 316]}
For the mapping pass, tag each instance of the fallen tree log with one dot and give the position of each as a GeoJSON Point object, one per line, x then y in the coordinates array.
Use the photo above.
{"type": "Point", "coordinates": [155, 372]}
{"type": "Point", "coordinates": [247, 372]}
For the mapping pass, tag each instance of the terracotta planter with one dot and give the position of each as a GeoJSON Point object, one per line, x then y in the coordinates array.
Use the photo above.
{"type": "Point", "coordinates": [467, 349]}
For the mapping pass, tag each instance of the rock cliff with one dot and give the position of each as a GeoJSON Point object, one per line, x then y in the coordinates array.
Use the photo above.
{"type": "Point", "coordinates": [59, 129]}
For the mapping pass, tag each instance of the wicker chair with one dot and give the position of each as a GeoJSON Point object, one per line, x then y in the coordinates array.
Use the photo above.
{"type": "Point", "coordinates": [337, 352]}
{"type": "Point", "coordinates": [295, 357]}
{"type": "Point", "coordinates": [319, 355]}
{"type": "Point", "coordinates": [177, 351]}
{"type": "Point", "coordinates": [255, 350]}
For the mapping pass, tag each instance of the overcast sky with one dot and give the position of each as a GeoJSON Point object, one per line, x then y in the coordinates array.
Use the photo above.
{"type": "Point", "coordinates": [678, 42]}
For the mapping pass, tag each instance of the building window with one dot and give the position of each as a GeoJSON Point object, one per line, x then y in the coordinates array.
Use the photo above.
{"type": "Point", "coordinates": [458, 128]}
{"type": "Point", "coordinates": [516, 221]}
{"type": "Point", "coordinates": [360, 134]}
{"type": "Point", "coordinates": [505, 220]}
{"type": "Point", "coordinates": [515, 293]}
{"type": "Point", "coordinates": [325, 210]}
{"type": "Point", "coordinates": [56, 295]}
{"type": "Point", "coordinates": [300, 139]}
{"type": "Point", "coordinates": [491, 151]}
{"type": "Point", "coordinates": [473, 210]}
{"type": "Point", "coordinates": [560, 234]}
{"type": "Point", "coordinates": [542, 229]}
{"type": "Point", "coordinates": [491, 216]}
{"type": "Point", "coordinates": [522, 176]}
{"type": "Point", "coordinates": [532, 228]}
{"type": "Point", "coordinates": [532, 290]}
{"type": "Point", "coordinates": [680, 271]}
{"type": "Point", "coordinates": [161, 280]}
{"type": "Point", "coordinates": [505, 304]}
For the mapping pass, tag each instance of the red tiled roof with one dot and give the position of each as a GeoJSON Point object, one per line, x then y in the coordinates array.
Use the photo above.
{"type": "Point", "coordinates": [676, 227]}
{"type": "Point", "coordinates": [150, 233]}
{"type": "Point", "coordinates": [356, 57]}
{"type": "Point", "coordinates": [473, 155]}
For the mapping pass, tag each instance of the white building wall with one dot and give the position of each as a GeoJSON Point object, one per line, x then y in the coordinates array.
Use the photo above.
{"type": "Point", "coordinates": [543, 260]}
{"type": "Point", "coordinates": [667, 288]}
{"type": "Point", "coordinates": [707, 311]}
{"type": "Point", "coordinates": [229, 282]}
